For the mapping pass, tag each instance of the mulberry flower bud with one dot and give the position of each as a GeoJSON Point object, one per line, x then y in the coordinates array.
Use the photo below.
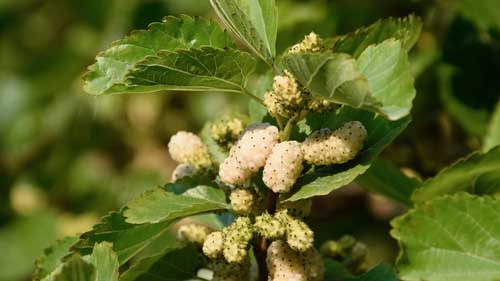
{"type": "Point", "coordinates": [226, 131]}
{"type": "Point", "coordinates": [242, 201]}
{"type": "Point", "coordinates": [183, 170]}
{"type": "Point", "coordinates": [311, 43]}
{"type": "Point", "coordinates": [315, 268]}
{"type": "Point", "coordinates": [254, 146]}
{"type": "Point", "coordinates": [236, 237]}
{"type": "Point", "coordinates": [213, 245]}
{"type": "Point", "coordinates": [224, 271]}
{"type": "Point", "coordinates": [283, 166]}
{"type": "Point", "coordinates": [298, 235]}
{"type": "Point", "coordinates": [286, 99]}
{"type": "Point", "coordinates": [185, 147]}
{"type": "Point", "coordinates": [269, 226]}
{"type": "Point", "coordinates": [298, 209]}
{"type": "Point", "coordinates": [192, 232]}
{"type": "Point", "coordinates": [230, 172]}
{"type": "Point", "coordinates": [284, 264]}
{"type": "Point", "coordinates": [325, 147]}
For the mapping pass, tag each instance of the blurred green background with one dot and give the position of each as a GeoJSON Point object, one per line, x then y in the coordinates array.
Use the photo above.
{"type": "Point", "coordinates": [67, 158]}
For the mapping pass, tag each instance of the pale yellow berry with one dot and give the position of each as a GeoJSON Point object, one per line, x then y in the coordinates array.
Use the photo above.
{"type": "Point", "coordinates": [284, 264]}
{"type": "Point", "coordinates": [311, 43]}
{"type": "Point", "coordinates": [299, 236]}
{"type": "Point", "coordinates": [192, 232]}
{"type": "Point", "coordinates": [269, 227]}
{"type": "Point", "coordinates": [213, 245]}
{"type": "Point", "coordinates": [242, 201]}
{"type": "Point", "coordinates": [325, 147]}
{"type": "Point", "coordinates": [230, 172]}
{"type": "Point", "coordinates": [286, 99]}
{"type": "Point", "coordinates": [182, 171]}
{"type": "Point", "coordinates": [283, 166]}
{"type": "Point", "coordinates": [185, 147]}
{"type": "Point", "coordinates": [236, 238]}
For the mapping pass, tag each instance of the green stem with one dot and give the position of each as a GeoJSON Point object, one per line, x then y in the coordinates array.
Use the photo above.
{"type": "Point", "coordinates": [287, 131]}
{"type": "Point", "coordinates": [252, 96]}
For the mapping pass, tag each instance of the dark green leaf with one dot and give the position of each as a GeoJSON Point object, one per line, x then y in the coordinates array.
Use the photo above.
{"type": "Point", "coordinates": [492, 137]}
{"type": "Point", "coordinates": [205, 69]}
{"type": "Point", "coordinates": [450, 238]}
{"type": "Point", "coordinates": [477, 172]}
{"type": "Point", "coordinates": [158, 205]}
{"type": "Point", "coordinates": [113, 64]}
{"type": "Point", "coordinates": [52, 257]}
{"type": "Point", "coordinates": [484, 15]}
{"type": "Point", "coordinates": [254, 22]}
{"type": "Point", "coordinates": [385, 178]}
{"type": "Point", "coordinates": [324, 180]}
{"type": "Point", "coordinates": [381, 272]}
{"type": "Point", "coordinates": [407, 30]}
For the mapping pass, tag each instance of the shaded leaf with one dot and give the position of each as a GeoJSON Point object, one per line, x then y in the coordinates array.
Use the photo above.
{"type": "Point", "coordinates": [407, 30]}
{"type": "Point", "coordinates": [485, 16]}
{"type": "Point", "coordinates": [478, 171]}
{"type": "Point", "coordinates": [325, 179]}
{"type": "Point", "coordinates": [381, 272]}
{"type": "Point", "coordinates": [52, 257]}
{"type": "Point", "coordinates": [384, 178]}
{"type": "Point", "coordinates": [254, 22]}
{"type": "Point", "coordinates": [492, 137]}
{"type": "Point", "coordinates": [450, 238]}
{"type": "Point", "coordinates": [112, 65]}
{"type": "Point", "coordinates": [76, 269]}
{"type": "Point", "coordinates": [105, 262]}
{"type": "Point", "coordinates": [158, 205]}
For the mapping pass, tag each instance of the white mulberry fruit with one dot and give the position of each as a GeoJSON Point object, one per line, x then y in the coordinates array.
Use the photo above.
{"type": "Point", "coordinates": [254, 146]}
{"type": "Point", "coordinates": [283, 166]}
{"type": "Point", "coordinates": [195, 233]}
{"type": "Point", "coordinates": [298, 235]}
{"type": "Point", "coordinates": [325, 147]}
{"type": "Point", "coordinates": [213, 245]}
{"type": "Point", "coordinates": [242, 201]}
{"type": "Point", "coordinates": [269, 227]}
{"type": "Point", "coordinates": [183, 170]}
{"type": "Point", "coordinates": [230, 172]}
{"type": "Point", "coordinates": [185, 147]}
{"type": "Point", "coordinates": [284, 264]}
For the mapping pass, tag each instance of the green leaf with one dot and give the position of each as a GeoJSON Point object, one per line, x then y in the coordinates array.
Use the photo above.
{"type": "Point", "coordinates": [325, 179]}
{"type": "Point", "coordinates": [217, 154]}
{"type": "Point", "coordinates": [260, 85]}
{"type": "Point", "coordinates": [105, 262]}
{"type": "Point", "coordinates": [158, 205]}
{"type": "Point", "coordinates": [180, 264]}
{"type": "Point", "coordinates": [52, 257]}
{"type": "Point", "coordinates": [450, 238]}
{"type": "Point", "coordinates": [76, 269]}
{"type": "Point", "coordinates": [128, 239]}
{"type": "Point", "coordinates": [468, 174]}
{"type": "Point", "coordinates": [254, 22]}
{"type": "Point", "coordinates": [112, 65]}
{"type": "Point", "coordinates": [381, 272]}
{"type": "Point", "coordinates": [380, 80]}
{"type": "Point", "coordinates": [406, 29]}
{"type": "Point", "coordinates": [485, 15]}
{"type": "Point", "coordinates": [385, 178]}
{"type": "Point", "coordinates": [492, 137]}
{"type": "Point", "coordinates": [205, 69]}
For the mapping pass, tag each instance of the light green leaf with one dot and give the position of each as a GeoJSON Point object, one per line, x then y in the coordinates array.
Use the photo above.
{"type": "Point", "coordinates": [260, 85]}
{"type": "Point", "coordinates": [76, 269]}
{"type": "Point", "coordinates": [112, 65]}
{"type": "Point", "coordinates": [205, 69]}
{"type": "Point", "coordinates": [407, 30]}
{"type": "Point", "coordinates": [477, 172]}
{"type": "Point", "coordinates": [492, 137]}
{"type": "Point", "coordinates": [254, 22]}
{"type": "Point", "coordinates": [52, 257]}
{"type": "Point", "coordinates": [450, 238]}
{"type": "Point", "coordinates": [105, 262]}
{"type": "Point", "coordinates": [158, 205]}
{"type": "Point", "coordinates": [128, 239]}
{"type": "Point", "coordinates": [379, 80]}
{"type": "Point", "coordinates": [384, 178]}
{"type": "Point", "coordinates": [324, 180]}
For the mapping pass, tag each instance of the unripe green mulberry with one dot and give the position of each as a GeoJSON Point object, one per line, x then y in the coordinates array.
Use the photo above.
{"type": "Point", "coordinates": [283, 166]}
{"type": "Point", "coordinates": [230, 172]}
{"type": "Point", "coordinates": [286, 99]}
{"type": "Point", "coordinates": [195, 233]}
{"type": "Point", "coordinates": [298, 209]}
{"type": "Point", "coordinates": [242, 201]}
{"type": "Point", "coordinates": [254, 146]}
{"type": "Point", "coordinates": [299, 236]}
{"type": "Point", "coordinates": [269, 226]}
{"type": "Point", "coordinates": [284, 264]}
{"type": "Point", "coordinates": [183, 170]}
{"type": "Point", "coordinates": [236, 238]}
{"type": "Point", "coordinates": [226, 131]}
{"type": "Point", "coordinates": [311, 43]}
{"type": "Point", "coordinates": [325, 147]}
{"type": "Point", "coordinates": [224, 271]}
{"type": "Point", "coordinates": [213, 245]}
{"type": "Point", "coordinates": [185, 147]}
